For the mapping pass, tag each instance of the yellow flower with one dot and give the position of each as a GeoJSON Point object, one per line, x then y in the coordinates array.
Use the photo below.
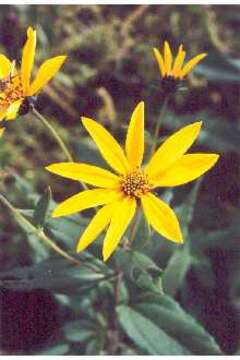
{"type": "Point", "coordinates": [174, 71]}
{"type": "Point", "coordinates": [16, 85]}
{"type": "Point", "coordinates": [131, 185]}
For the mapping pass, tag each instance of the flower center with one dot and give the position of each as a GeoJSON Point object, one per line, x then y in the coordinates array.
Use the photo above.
{"type": "Point", "coordinates": [10, 91]}
{"type": "Point", "coordinates": [135, 183]}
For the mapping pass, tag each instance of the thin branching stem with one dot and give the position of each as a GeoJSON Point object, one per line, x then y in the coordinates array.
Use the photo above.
{"type": "Point", "coordinates": [54, 133]}
{"type": "Point", "coordinates": [41, 235]}
{"type": "Point", "coordinates": [159, 124]}
{"type": "Point", "coordinates": [57, 137]}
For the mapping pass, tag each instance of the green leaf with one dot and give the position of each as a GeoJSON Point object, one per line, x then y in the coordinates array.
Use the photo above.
{"type": "Point", "coordinates": [40, 251]}
{"type": "Point", "coordinates": [41, 209]}
{"type": "Point", "coordinates": [131, 261]}
{"type": "Point", "coordinates": [181, 259]}
{"type": "Point", "coordinates": [56, 275]}
{"type": "Point", "coordinates": [67, 229]}
{"type": "Point", "coordinates": [171, 317]}
{"type": "Point", "coordinates": [78, 331]}
{"type": "Point", "coordinates": [61, 349]}
{"type": "Point", "coordinates": [94, 346]}
{"type": "Point", "coordinates": [147, 335]}
{"type": "Point", "coordinates": [176, 270]}
{"type": "Point", "coordinates": [140, 269]}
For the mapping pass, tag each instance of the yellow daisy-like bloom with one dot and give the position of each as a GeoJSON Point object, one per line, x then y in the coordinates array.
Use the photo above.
{"type": "Point", "coordinates": [174, 71]}
{"type": "Point", "coordinates": [16, 85]}
{"type": "Point", "coordinates": [131, 185]}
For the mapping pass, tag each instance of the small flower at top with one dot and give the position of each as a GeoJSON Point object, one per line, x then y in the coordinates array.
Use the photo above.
{"type": "Point", "coordinates": [131, 185]}
{"type": "Point", "coordinates": [173, 72]}
{"type": "Point", "coordinates": [16, 85]}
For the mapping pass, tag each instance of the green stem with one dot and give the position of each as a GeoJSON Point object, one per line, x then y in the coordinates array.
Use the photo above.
{"type": "Point", "coordinates": [54, 133]}
{"type": "Point", "coordinates": [57, 138]}
{"type": "Point", "coordinates": [159, 123]}
{"type": "Point", "coordinates": [134, 228]}
{"type": "Point", "coordinates": [38, 232]}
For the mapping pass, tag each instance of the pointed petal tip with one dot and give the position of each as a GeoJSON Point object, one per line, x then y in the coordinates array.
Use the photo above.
{"type": "Point", "coordinates": [156, 53]}
{"type": "Point", "coordinates": [55, 214]}
{"type": "Point", "coordinates": [180, 240]}
{"type": "Point", "coordinates": [79, 247]}
{"type": "Point", "coordinates": [215, 158]}
{"type": "Point", "coordinates": [85, 120]}
{"type": "Point", "coordinates": [140, 105]}
{"type": "Point", "coordinates": [51, 167]}
{"type": "Point", "coordinates": [47, 167]}
{"type": "Point", "coordinates": [178, 237]}
{"type": "Point", "coordinates": [88, 122]}
{"type": "Point", "coordinates": [30, 30]}
{"type": "Point", "coordinates": [199, 122]}
{"type": "Point", "coordinates": [62, 58]}
{"type": "Point", "coordinates": [105, 256]}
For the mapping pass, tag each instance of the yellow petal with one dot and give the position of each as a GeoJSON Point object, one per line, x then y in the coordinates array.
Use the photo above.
{"type": "Point", "coordinates": [99, 222]}
{"type": "Point", "coordinates": [28, 58]}
{"type": "Point", "coordinates": [45, 73]}
{"type": "Point", "coordinates": [173, 148]}
{"type": "Point", "coordinates": [191, 63]}
{"type": "Point", "coordinates": [121, 218]}
{"type": "Point", "coordinates": [160, 61]}
{"type": "Point", "coordinates": [13, 109]}
{"type": "Point", "coordinates": [5, 66]}
{"type": "Point", "coordinates": [135, 137]}
{"type": "Point", "coordinates": [188, 168]}
{"type": "Point", "coordinates": [85, 200]}
{"type": "Point", "coordinates": [161, 217]}
{"type": "Point", "coordinates": [3, 111]}
{"type": "Point", "coordinates": [1, 131]}
{"type": "Point", "coordinates": [108, 146]}
{"type": "Point", "coordinates": [178, 62]}
{"type": "Point", "coordinates": [167, 58]}
{"type": "Point", "coordinates": [87, 173]}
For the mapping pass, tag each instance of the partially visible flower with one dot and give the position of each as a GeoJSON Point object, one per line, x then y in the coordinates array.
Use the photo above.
{"type": "Point", "coordinates": [130, 186]}
{"type": "Point", "coordinates": [1, 131]}
{"type": "Point", "coordinates": [174, 71]}
{"type": "Point", "coordinates": [16, 85]}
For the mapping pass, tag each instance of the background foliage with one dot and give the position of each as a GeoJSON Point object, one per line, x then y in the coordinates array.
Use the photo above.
{"type": "Point", "coordinates": [156, 298]}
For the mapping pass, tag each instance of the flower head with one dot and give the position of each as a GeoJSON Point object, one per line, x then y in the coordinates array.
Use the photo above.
{"type": "Point", "coordinates": [174, 71]}
{"type": "Point", "coordinates": [16, 85]}
{"type": "Point", "coordinates": [131, 185]}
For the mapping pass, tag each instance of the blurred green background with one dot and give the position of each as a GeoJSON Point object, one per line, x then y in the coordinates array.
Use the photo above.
{"type": "Point", "coordinates": [110, 67]}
